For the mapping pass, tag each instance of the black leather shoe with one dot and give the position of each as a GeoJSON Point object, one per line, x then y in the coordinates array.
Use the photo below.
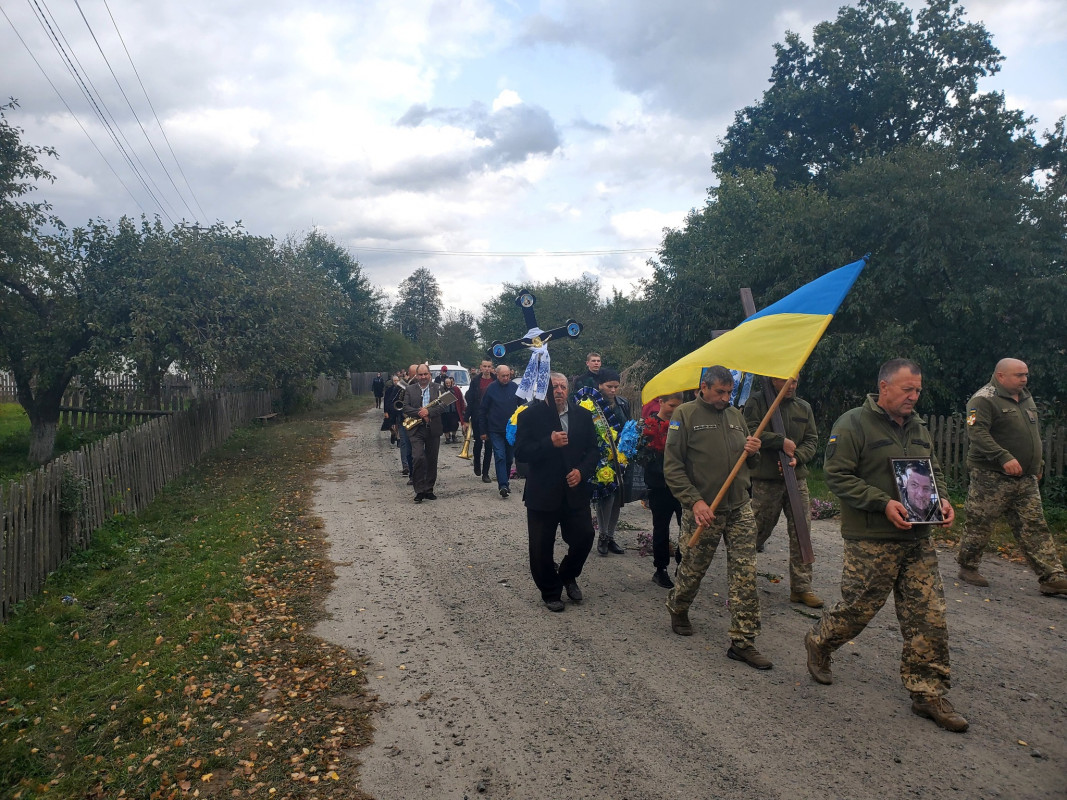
{"type": "Point", "coordinates": [486, 478]}
{"type": "Point", "coordinates": [602, 546]}
{"type": "Point", "coordinates": [418, 498]}
{"type": "Point", "coordinates": [573, 592]}
{"type": "Point", "coordinates": [554, 605]}
{"type": "Point", "coordinates": [504, 492]}
{"type": "Point", "coordinates": [613, 547]}
{"type": "Point", "coordinates": [477, 470]}
{"type": "Point", "coordinates": [661, 578]}
{"type": "Point", "coordinates": [429, 496]}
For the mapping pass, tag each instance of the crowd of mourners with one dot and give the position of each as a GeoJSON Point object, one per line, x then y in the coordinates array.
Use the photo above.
{"type": "Point", "coordinates": [692, 457]}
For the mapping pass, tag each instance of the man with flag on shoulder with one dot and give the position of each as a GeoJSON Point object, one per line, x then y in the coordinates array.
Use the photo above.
{"type": "Point", "coordinates": [706, 437]}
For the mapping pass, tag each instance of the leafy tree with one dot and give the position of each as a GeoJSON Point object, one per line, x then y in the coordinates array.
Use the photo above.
{"type": "Point", "coordinates": [417, 313]}
{"type": "Point", "coordinates": [967, 267]}
{"type": "Point", "coordinates": [361, 316]}
{"type": "Point", "coordinates": [875, 79]}
{"type": "Point", "coordinates": [49, 294]}
{"type": "Point", "coordinates": [458, 339]}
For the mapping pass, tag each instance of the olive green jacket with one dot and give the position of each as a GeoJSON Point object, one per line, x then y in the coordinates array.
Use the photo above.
{"type": "Point", "coordinates": [703, 444]}
{"type": "Point", "coordinates": [1000, 428]}
{"type": "Point", "coordinates": [858, 471]}
{"type": "Point", "coordinates": [799, 426]}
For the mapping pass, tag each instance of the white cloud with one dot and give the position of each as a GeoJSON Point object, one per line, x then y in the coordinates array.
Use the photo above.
{"type": "Point", "coordinates": [644, 227]}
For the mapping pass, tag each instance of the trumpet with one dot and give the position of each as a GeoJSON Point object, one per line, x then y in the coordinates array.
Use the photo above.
{"type": "Point", "coordinates": [465, 452]}
{"type": "Point", "coordinates": [411, 423]}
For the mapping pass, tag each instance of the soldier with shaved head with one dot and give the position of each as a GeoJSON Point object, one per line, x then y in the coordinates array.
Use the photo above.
{"type": "Point", "coordinates": [1005, 463]}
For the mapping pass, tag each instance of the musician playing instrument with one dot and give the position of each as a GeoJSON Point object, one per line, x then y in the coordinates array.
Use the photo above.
{"type": "Point", "coordinates": [422, 401]}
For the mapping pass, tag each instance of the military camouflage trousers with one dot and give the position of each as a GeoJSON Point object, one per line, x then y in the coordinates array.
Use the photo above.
{"type": "Point", "coordinates": [769, 500]}
{"type": "Point", "coordinates": [869, 572]}
{"type": "Point", "coordinates": [738, 529]}
{"type": "Point", "coordinates": [992, 496]}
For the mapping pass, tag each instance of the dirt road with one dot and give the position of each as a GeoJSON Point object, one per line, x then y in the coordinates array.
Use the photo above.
{"type": "Point", "coordinates": [487, 694]}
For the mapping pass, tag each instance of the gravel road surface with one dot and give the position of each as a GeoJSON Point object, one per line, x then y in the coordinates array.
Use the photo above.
{"type": "Point", "coordinates": [485, 693]}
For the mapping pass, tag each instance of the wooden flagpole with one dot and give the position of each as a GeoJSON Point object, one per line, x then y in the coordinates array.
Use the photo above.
{"type": "Point", "coordinates": [740, 462]}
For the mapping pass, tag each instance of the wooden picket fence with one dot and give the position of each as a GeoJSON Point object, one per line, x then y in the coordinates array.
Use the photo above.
{"type": "Point", "coordinates": [950, 446]}
{"type": "Point", "coordinates": [133, 409]}
{"type": "Point", "coordinates": [52, 512]}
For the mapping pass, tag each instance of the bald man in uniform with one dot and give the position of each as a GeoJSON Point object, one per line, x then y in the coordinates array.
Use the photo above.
{"type": "Point", "coordinates": [1005, 463]}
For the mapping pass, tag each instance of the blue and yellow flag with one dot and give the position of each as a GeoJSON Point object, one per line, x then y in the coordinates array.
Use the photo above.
{"type": "Point", "coordinates": [775, 341]}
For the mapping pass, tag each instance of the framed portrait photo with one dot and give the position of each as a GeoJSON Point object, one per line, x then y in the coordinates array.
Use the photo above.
{"type": "Point", "coordinates": [917, 489]}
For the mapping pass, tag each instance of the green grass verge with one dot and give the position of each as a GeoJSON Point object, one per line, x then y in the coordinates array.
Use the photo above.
{"type": "Point", "coordinates": [174, 657]}
{"type": "Point", "coordinates": [15, 440]}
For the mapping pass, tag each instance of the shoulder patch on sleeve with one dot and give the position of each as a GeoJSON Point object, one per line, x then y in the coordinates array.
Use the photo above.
{"type": "Point", "coordinates": [972, 415]}
{"type": "Point", "coordinates": [675, 425]}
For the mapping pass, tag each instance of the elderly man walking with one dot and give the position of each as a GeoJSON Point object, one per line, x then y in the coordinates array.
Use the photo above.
{"type": "Point", "coordinates": [498, 404]}
{"type": "Point", "coordinates": [558, 442]}
{"type": "Point", "coordinates": [426, 436]}
{"type": "Point", "coordinates": [1005, 463]}
{"type": "Point", "coordinates": [884, 552]}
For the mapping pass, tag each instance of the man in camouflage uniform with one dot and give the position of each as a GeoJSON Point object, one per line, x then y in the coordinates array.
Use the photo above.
{"type": "Point", "coordinates": [705, 439]}
{"type": "Point", "coordinates": [769, 496]}
{"type": "Point", "coordinates": [884, 552]}
{"type": "Point", "coordinates": [1005, 463]}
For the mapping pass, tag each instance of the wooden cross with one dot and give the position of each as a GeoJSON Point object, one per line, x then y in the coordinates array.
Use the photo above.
{"type": "Point", "coordinates": [526, 301]}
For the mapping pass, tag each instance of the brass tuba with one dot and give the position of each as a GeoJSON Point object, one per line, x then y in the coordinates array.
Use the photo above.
{"type": "Point", "coordinates": [465, 452]}
{"type": "Point", "coordinates": [444, 399]}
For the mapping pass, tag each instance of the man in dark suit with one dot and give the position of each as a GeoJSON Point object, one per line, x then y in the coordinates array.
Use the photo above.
{"type": "Point", "coordinates": [425, 438]}
{"type": "Point", "coordinates": [558, 442]}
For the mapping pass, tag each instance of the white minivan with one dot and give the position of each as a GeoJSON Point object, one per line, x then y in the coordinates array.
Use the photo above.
{"type": "Point", "coordinates": [458, 372]}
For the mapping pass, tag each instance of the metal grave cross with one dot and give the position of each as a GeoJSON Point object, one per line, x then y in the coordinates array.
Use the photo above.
{"type": "Point", "coordinates": [534, 336]}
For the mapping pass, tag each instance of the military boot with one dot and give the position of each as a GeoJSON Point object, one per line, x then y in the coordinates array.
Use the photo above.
{"type": "Point", "coordinates": [1057, 585]}
{"type": "Point", "coordinates": [940, 711]}
{"type": "Point", "coordinates": [749, 654]}
{"type": "Point", "coordinates": [680, 623]}
{"type": "Point", "coordinates": [808, 598]}
{"type": "Point", "coordinates": [818, 661]}
{"type": "Point", "coordinates": [973, 577]}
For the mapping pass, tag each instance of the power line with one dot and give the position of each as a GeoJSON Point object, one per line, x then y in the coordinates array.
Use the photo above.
{"type": "Point", "coordinates": [132, 110]}
{"type": "Point", "coordinates": [75, 116]}
{"type": "Point", "coordinates": [188, 185]}
{"type": "Point", "coordinates": [68, 58]}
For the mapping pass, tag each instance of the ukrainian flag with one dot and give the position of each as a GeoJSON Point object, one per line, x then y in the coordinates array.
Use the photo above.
{"type": "Point", "coordinates": [775, 341]}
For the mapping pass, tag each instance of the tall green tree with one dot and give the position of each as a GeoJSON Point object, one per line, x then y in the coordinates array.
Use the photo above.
{"type": "Point", "coordinates": [49, 293]}
{"type": "Point", "coordinates": [967, 267]}
{"type": "Point", "coordinates": [417, 313]}
{"type": "Point", "coordinates": [872, 80]}
{"type": "Point", "coordinates": [458, 340]}
{"type": "Point", "coordinates": [361, 322]}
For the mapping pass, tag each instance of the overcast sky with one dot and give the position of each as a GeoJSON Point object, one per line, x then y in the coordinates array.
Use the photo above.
{"type": "Point", "coordinates": [454, 128]}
